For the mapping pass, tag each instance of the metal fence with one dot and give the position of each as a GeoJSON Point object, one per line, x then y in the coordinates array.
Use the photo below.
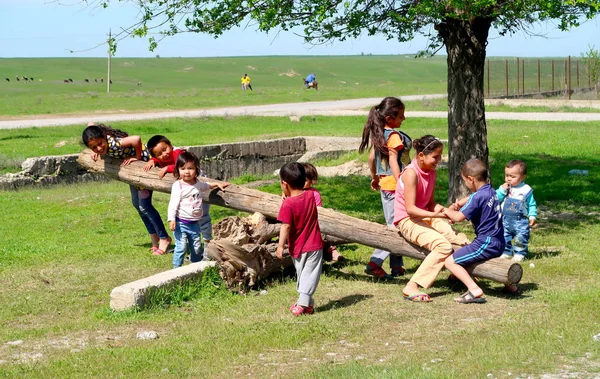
{"type": "Point", "coordinates": [515, 78]}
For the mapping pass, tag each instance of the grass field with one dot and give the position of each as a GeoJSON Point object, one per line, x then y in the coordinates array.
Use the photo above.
{"type": "Point", "coordinates": [64, 249]}
{"type": "Point", "coordinates": [182, 83]}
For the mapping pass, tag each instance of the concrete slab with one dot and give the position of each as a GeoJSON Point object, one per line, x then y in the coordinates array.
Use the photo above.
{"type": "Point", "coordinates": [135, 294]}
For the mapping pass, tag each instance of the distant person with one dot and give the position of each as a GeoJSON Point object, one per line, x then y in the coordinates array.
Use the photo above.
{"type": "Point", "coordinates": [164, 155]}
{"type": "Point", "coordinates": [246, 82]}
{"type": "Point", "coordinates": [312, 175]}
{"type": "Point", "coordinates": [385, 164]}
{"type": "Point", "coordinates": [104, 140]}
{"type": "Point", "coordinates": [519, 210]}
{"type": "Point", "coordinates": [185, 208]}
{"type": "Point", "coordinates": [483, 210]}
{"type": "Point", "coordinates": [300, 230]}
{"type": "Point", "coordinates": [311, 82]}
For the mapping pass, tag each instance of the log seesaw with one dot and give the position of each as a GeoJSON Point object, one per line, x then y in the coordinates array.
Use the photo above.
{"type": "Point", "coordinates": [333, 224]}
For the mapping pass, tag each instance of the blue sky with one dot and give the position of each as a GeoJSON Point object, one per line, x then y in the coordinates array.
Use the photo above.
{"type": "Point", "coordinates": [44, 28]}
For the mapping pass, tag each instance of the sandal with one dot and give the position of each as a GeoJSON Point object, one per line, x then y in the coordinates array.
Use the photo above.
{"type": "Point", "coordinates": [418, 297]}
{"type": "Point", "coordinates": [469, 298]}
{"type": "Point", "coordinates": [153, 249]}
{"type": "Point", "coordinates": [158, 251]}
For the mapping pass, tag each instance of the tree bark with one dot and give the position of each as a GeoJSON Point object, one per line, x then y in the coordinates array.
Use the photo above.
{"type": "Point", "coordinates": [331, 222]}
{"type": "Point", "coordinates": [465, 42]}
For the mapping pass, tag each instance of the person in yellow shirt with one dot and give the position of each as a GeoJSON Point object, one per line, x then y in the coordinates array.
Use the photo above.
{"type": "Point", "coordinates": [246, 82]}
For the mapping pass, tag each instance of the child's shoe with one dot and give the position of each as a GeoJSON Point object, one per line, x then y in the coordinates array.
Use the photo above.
{"type": "Point", "coordinates": [309, 310]}
{"type": "Point", "coordinates": [297, 310]}
{"type": "Point", "coordinates": [506, 256]}
{"type": "Point", "coordinates": [398, 271]}
{"type": "Point", "coordinates": [376, 271]}
{"type": "Point", "coordinates": [518, 258]}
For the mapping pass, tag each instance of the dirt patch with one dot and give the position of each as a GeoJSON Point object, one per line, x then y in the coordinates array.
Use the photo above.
{"type": "Point", "coordinates": [188, 69]}
{"type": "Point", "coordinates": [251, 68]}
{"type": "Point", "coordinates": [290, 73]}
{"type": "Point", "coordinates": [128, 64]}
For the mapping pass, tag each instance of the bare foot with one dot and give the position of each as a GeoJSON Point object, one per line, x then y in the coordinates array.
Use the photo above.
{"type": "Point", "coordinates": [164, 243]}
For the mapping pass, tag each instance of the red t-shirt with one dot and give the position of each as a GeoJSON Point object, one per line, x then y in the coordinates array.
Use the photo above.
{"type": "Point", "coordinates": [171, 163]}
{"type": "Point", "coordinates": [300, 212]}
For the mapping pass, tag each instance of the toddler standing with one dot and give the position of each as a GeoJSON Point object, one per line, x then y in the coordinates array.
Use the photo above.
{"type": "Point", "coordinates": [519, 210]}
{"type": "Point", "coordinates": [185, 208]}
{"type": "Point", "coordinates": [300, 229]}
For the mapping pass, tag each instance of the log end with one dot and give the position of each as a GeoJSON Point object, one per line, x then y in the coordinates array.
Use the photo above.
{"type": "Point", "coordinates": [515, 273]}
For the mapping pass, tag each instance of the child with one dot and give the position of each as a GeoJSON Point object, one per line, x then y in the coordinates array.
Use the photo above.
{"type": "Point", "coordinates": [420, 220]}
{"type": "Point", "coordinates": [385, 164]}
{"type": "Point", "coordinates": [483, 210]}
{"type": "Point", "coordinates": [165, 156]}
{"type": "Point", "coordinates": [185, 208]}
{"type": "Point", "coordinates": [311, 179]}
{"type": "Point", "coordinates": [300, 229]}
{"type": "Point", "coordinates": [519, 210]}
{"type": "Point", "coordinates": [246, 82]}
{"type": "Point", "coordinates": [104, 140]}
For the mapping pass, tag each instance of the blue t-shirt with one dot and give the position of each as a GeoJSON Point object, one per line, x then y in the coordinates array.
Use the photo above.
{"type": "Point", "coordinates": [483, 210]}
{"type": "Point", "coordinates": [310, 78]}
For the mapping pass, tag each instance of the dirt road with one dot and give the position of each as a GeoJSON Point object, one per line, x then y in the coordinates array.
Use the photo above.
{"type": "Point", "coordinates": [353, 107]}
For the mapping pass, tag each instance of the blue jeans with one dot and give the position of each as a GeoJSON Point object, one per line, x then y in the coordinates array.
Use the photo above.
{"type": "Point", "coordinates": [387, 200]}
{"type": "Point", "coordinates": [142, 202]}
{"type": "Point", "coordinates": [187, 236]}
{"type": "Point", "coordinates": [206, 222]}
{"type": "Point", "coordinates": [516, 234]}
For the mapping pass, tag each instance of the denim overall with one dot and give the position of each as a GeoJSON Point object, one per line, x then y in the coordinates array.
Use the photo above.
{"type": "Point", "coordinates": [516, 225]}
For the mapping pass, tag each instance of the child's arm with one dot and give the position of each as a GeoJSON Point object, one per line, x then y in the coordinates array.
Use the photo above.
{"type": "Point", "coordinates": [173, 204]}
{"type": "Point", "coordinates": [149, 164]}
{"type": "Point", "coordinates": [459, 203]}
{"type": "Point", "coordinates": [409, 178]}
{"type": "Point", "coordinates": [284, 234]}
{"type": "Point", "coordinates": [373, 170]}
{"type": "Point", "coordinates": [531, 209]}
{"type": "Point", "coordinates": [220, 186]}
{"type": "Point", "coordinates": [393, 160]}
{"type": "Point", "coordinates": [136, 143]}
{"type": "Point", "coordinates": [454, 216]}
{"type": "Point", "coordinates": [501, 192]}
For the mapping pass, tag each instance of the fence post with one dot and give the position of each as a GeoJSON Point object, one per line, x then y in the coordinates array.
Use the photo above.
{"type": "Point", "coordinates": [553, 75]}
{"type": "Point", "coordinates": [577, 65]}
{"type": "Point", "coordinates": [523, 76]}
{"type": "Point", "coordinates": [539, 82]}
{"type": "Point", "coordinates": [518, 79]}
{"type": "Point", "coordinates": [506, 61]}
{"type": "Point", "coordinates": [488, 78]}
{"type": "Point", "coordinates": [569, 78]}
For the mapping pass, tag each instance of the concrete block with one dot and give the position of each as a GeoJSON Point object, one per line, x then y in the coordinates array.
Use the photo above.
{"type": "Point", "coordinates": [134, 294]}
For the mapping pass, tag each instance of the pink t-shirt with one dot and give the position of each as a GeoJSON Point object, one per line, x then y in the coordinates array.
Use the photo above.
{"type": "Point", "coordinates": [300, 212]}
{"type": "Point", "coordinates": [424, 191]}
{"type": "Point", "coordinates": [316, 195]}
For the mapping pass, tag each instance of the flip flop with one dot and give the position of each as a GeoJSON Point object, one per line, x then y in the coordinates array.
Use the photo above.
{"type": "Point", "coordinates": [158, 251]}
{"type": "Point", "coordinates": [469, 298]}
{"type": "Point", "coordinates": [418, 297]}
{"type": "Point", "coordinates": [153, 249]}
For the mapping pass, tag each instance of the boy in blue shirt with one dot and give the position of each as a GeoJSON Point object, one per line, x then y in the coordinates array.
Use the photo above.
{"type": "Point", "coordinates": [483, 210]}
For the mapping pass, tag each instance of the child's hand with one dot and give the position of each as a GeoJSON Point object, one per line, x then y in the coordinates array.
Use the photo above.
{"type": "Point", "coordinates": [127, 161]}
{"type": "Point", "coordinates": [222, 186]}
{"type": "Point", "coordinates": [375, 183]}
{"type": "Point", "coordinates": [94, 157]}
{"type": "Point", "coordinates": [149, 165]}
{"type": "Point", "coordinates": [279, 252]}
{"type": "Point", "coordinates": [162, 172]}
{"type": "Point", "coordinates": [438, 211]}
{"type": "Point", "coordinates": [532, 222]}
{"type": "Point", "coordinates": [505, 186]}
{"type": "Point", "coordinates": [172, 225]}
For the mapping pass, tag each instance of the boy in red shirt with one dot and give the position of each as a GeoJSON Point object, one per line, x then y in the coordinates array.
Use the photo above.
{"type": "Point", "coordinates": [300, 229]}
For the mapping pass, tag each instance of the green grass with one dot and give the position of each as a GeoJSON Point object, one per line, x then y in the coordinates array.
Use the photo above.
{"type": "Point", "coordinates": [64, 248]}
{"type": "Point", "coordinates": [184, 83]}
{"type": "Point", "coordinates": [441, 105]}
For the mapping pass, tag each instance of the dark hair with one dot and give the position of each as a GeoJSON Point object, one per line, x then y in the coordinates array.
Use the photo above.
{"type": "Point", "coordinates": [427, 144]}
{"type": "Point", "coordinates": [311, 172]}
{"type": "Point", "coordinates": [518, 162]}
{"type": "Point", "coordinates": [293, 174]}
{"type": "Point", "coordinates": [184, 158]}
{"type": "Point", "coordinates": [389, 107]}
{"type": "Point", "coordinates": [155, 140]}
{"type": "Point", "coordinates": [100, 131]}
{"type": "Point", "coordinates": [476, 168]}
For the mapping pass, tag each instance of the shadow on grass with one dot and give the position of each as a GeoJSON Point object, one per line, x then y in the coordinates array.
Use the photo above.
{"type": "Point", "coordinates": [346, 301]}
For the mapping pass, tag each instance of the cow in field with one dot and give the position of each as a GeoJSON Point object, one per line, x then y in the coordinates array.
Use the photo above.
{"type": "Point", "coordinates": [86, 80]}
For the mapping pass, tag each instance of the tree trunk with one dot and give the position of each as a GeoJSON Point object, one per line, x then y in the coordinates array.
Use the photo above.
{"type": "Point", "coordinates": [331, 222]}
{"type": "Point", "coordinates": [465, 42]}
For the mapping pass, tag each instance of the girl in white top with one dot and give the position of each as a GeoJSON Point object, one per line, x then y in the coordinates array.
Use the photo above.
{"type": "Point", "coordinates": [185, 208]}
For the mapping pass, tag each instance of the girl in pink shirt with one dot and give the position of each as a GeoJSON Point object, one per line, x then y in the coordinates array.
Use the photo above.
{"type": "Point", "coordinates": [420, 219]}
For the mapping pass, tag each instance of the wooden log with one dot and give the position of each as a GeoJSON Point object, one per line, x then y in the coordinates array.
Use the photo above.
{"type": "Point", "coordinates": [331, 222]}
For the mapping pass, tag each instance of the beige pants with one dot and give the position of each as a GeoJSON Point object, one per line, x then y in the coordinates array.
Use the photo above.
{"type": "Point", "coordinates": [435, 235]}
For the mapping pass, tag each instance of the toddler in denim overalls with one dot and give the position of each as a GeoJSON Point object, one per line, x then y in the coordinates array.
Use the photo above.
{"type": "Point", "coordinates": [519, 210]}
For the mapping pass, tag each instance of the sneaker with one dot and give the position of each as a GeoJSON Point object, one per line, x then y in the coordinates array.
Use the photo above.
{"type": "Point", "coordinates": [376, 271]}
{"type": "Point", "coordinates": [518, 258]}
{"type": "Point", "coordinates": [297, 310]}
{"type": "Point", "coordinates": [506, 256]}
{"type": "Point", "coordinates": [309, 310]}
{"type": "Point", "coordinates": [398, 271]}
